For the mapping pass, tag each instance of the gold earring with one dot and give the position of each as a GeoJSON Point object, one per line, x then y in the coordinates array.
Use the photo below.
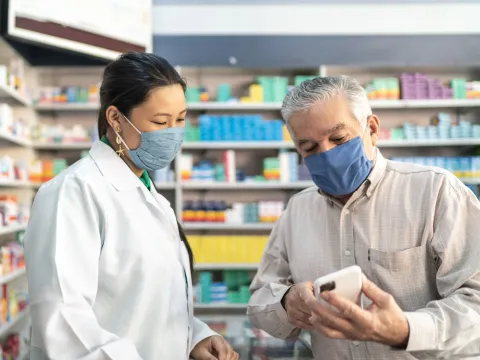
{"type": "Point", "coordinates": [119, 142]}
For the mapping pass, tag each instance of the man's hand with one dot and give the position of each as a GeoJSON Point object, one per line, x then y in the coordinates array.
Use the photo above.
{"type": "Point", "coordinates": [213, 348]}
{"type": "Point", "coordinates": [296, 307]}
{"type": "Point", "coordinates": [382, 322]}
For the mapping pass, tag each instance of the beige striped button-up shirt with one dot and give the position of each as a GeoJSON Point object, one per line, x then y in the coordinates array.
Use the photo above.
{"type": "Point", "coordinates": [413, 230]}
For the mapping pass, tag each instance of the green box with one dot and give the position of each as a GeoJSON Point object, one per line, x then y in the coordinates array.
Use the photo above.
{"type": "Point", "coordinates": [280, 88]}
{"type": "Point", "coordinates": [267, 84]}
{"type": "Point", "coordinates": [459, 87]}
{"type": "Point", "coordinates": [301, 78]}
{"type": "Point", "coordinates": [192, 94]}
{"type": "Point", "coordinates": [224, 93]}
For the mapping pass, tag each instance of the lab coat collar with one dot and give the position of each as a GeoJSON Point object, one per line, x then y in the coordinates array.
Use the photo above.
{"type": "Point", "coordinates": [113, 168]}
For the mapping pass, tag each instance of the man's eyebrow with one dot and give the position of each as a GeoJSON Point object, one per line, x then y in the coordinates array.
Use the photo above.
{"type": "Point", "coordinates": [336, 128]}
{"type": "Point", "coordinates": [330, 131]}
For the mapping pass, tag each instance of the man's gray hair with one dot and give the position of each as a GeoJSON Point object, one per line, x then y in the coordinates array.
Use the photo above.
{"type": "Point", "coordinates": [302, 97]}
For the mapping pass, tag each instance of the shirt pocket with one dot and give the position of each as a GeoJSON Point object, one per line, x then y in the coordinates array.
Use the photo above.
{"type": "Point", "coordinates": [406, 274]}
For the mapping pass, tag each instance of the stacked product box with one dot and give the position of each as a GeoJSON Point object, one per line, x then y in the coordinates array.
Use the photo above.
{"type": "Point", "coordinates": [237, 213]}
{"type": "Point", "coordinates": [239, 128]}
{"type": "Point", "coordinates": [227, 249]}
{"type": "Point", "coordinates": [233, 289]}
{"type": "Point", "coordinates": [419, 86]}
{"type": "Point", "coordinates": [165, 175]}
{"type": "Point", "coordinates": [464, 167]}
{"type": "Point", "coordinates": [69, 94]}
{"type": "Point", "coordinates": [284, 168]}
{"type": "Point", "coordinates": [383, 89]}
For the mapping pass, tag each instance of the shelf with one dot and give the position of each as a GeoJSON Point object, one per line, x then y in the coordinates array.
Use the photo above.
{"type": "Point", "coordinates": [61, 146]}
{"type": "Point", "coordinates": [12, 96]}
{"type": "Point", "coordinates": [4, 330]}
{"type": "Point", "coordinates": [4, 279]}
{"type": "Point", "coordinates": [251, 145]}
{"type": "Point", "coordinates": [220, 306]}
{"type": "Point", "coordinates": [12, 229]}
{"type": "Point", "coordinates": [206, 145]}
{"type": "Point", "coordinates": [375, 104]}
{"type": "Point", "coordinates": [15, 184]}
{"type": "Point", "coordinates": [10, 139]}
{"type": "Point", "coordinates": [226, 266]}
{"type": "Point", "coordinates": [470, 181]}
{"type": "Point", "coordinates": [68, 107]}
{"type": "Point", "coordinates": [223, 226]}
{"type": "Point", "coordinates": [199, 185]}
{"type": "Point", "coordinates": [231, 106]}
{"type": "Point", "coordinates": [164, 186]}
{"type": "Point", "coordinates": [425, 104]}
{"type": "Point", "coordinates": [274, 106]}
{"type": "Point", "coordinates": [429, 143]}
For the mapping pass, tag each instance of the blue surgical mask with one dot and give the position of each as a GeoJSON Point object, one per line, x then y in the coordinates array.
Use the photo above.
{"type": "Point", "coordinates": [341, 170]}
{"type": "Point", "coordinates": [157, 148]}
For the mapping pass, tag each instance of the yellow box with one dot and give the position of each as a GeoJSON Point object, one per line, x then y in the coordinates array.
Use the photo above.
{"type": "Point", "coordinates": [286, 134]}
{"type": "Point", "coordinates": [256, 93]}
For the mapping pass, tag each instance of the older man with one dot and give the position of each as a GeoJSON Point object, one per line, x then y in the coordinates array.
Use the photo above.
{"type": "Point", "coordinates": [412, 229]}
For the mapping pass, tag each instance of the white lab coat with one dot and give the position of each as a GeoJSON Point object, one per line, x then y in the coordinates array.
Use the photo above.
{"type": "Point", "coordinates": [106, 268]}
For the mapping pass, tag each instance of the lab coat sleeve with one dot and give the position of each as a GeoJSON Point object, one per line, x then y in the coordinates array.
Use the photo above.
{"type": "Point", "coordinates": [270, 284]}
{"type": "Point", "coordinates": [62, 250]}
{"type": "Point", "coordinates": [200, 331]}
{"type": "Point", "coordinates": [449, 327]}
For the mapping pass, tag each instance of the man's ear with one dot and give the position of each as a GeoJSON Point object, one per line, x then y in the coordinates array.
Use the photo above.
{"type": "Point", "coordinates": [373, 123]}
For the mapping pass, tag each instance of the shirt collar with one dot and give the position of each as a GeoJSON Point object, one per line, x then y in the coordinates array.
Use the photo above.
{"type": "Point", "coordinates": [376, 175]}
{"type": "Point", "coordinates": [113, 168]}
{"type": "Point", "coordinates": [372, 181]}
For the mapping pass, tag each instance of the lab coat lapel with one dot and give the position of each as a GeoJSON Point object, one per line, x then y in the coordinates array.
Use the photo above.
{"type": "Point", "coordinates": [164, 206]}
{"type": "Point", "coordinates": [123, 179]}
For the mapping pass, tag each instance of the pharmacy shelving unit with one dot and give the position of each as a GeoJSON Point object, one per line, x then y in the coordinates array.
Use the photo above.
{"type": "Point", "coordinates": [392, 113]}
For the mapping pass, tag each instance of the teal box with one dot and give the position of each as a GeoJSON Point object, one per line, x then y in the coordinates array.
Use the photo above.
{"type": "Point", "coordinates": [192, 94]}
{"type": "Point", "coordinates": [459, 87]}
{"type": "Point", "coordinates": [280, 88]}
{"type": "Point", "coordinates": [267, 84]}
{"type": "Point", "coordinates": [224, 93]}
{"type": "Point", "coordinates": [301, 78]}
{"type": "Point", "coordinates": [205, 284]}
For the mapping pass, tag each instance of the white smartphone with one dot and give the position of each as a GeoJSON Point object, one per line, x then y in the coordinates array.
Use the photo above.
{"type": "Point", "coordinates": [346, 282]}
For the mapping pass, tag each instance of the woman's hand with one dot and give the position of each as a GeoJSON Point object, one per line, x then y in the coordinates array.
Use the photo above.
{"type": "Point", "coordinates": [214, 348]}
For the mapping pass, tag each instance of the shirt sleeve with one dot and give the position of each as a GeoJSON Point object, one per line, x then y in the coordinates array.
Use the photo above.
{"type": "Point", "coordinates": [62, 250]}
{"type": "Point", "coordinates": [200, 331]}
{"type": "Point", "coordinates": [450, 327]}
{"type": "Point", "coordinates": [272, 281]}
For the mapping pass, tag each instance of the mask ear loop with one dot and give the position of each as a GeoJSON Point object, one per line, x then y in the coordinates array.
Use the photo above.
{"type": "Point", "coordinates": [117, 130]}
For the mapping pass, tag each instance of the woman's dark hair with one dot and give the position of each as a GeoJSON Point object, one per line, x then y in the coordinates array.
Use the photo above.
{"type": "Point", "coordinates": [183, 237]}
{"type": "Point", "coordinates": [128, 81]}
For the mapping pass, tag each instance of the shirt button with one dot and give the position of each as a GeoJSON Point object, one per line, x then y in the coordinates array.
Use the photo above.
{"type": "Point", "coordinates": [347, 212]}
{"type": "Point", "coordinates": [356, 343]}
{"type": "Point", "coordinates": [347, 253]}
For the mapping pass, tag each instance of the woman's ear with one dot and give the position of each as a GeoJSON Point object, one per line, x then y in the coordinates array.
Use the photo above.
{"type": "Point", "coordinates": [113, 117]}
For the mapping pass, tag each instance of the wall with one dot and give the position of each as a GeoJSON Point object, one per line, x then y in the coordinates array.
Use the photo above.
{"type": "Point", "coordinates": [317, 32]}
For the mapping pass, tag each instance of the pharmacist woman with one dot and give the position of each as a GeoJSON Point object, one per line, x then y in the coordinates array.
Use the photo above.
{"type": "Point", "coordinates": [109, 277]}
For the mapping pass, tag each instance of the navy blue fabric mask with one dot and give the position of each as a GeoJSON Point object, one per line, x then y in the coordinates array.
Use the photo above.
{"type": "Point", "coordinates": [341, 170]}
{"type": "Point", "coordinates": [157, 148]}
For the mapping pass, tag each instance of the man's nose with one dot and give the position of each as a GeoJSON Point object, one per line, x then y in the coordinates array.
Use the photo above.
{"type": "Point", "coordinates": [325, 146]}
